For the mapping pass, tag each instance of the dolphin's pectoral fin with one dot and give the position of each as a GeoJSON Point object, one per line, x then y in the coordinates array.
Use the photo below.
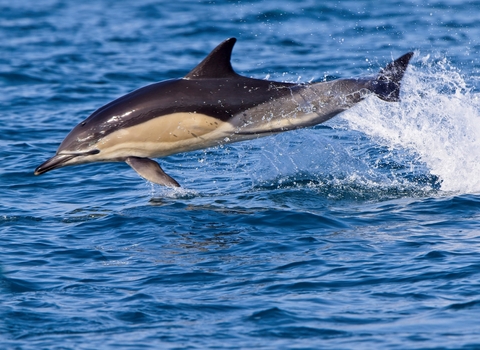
{"type": "Point", "coordinates": [151, 171]}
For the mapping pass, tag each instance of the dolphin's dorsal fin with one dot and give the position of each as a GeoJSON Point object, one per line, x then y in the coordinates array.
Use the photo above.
{"type": "Point", "coordinates": [216, 64]}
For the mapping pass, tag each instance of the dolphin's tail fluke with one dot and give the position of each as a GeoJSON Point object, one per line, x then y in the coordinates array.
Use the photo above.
{"type": "Point", "coordinates": [387, 83]}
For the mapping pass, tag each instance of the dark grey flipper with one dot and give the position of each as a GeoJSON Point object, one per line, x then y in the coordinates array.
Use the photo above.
{"type": "Point", "coordinates": [151, 171]}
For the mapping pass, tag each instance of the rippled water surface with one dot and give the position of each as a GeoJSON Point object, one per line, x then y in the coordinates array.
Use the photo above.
{"type": "Point", "coordinates": [360, 233]}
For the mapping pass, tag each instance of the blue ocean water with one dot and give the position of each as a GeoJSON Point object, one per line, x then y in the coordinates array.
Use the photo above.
{"type": "Point", "coordinates": [359, 233]}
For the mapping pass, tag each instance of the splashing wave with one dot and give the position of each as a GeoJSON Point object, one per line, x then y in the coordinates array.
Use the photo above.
{"type": "Point", "coordinates": [438, 121]}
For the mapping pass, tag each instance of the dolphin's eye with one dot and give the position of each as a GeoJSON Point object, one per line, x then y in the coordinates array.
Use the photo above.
{"type": "Point", "coordinates": [83, 123]}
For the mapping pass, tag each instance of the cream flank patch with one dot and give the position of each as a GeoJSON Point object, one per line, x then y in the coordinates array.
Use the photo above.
{"type": "Point", "coordinates": [164, 135]}
{"type": "Point", "coordinates": [183, 132]}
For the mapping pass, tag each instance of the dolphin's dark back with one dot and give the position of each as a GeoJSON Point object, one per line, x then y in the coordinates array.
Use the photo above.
{"type": "Point", "coordinates": [211, 97]}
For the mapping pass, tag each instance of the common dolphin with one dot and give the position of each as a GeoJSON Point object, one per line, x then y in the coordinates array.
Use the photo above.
{"type": "Point", "coordinates": [211, 105]}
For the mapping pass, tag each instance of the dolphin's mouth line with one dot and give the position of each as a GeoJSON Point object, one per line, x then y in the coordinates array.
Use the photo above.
{"type": "Point", "coordinates": [76, 154]}
{"type": "Point", "coordinates": [60, 159]}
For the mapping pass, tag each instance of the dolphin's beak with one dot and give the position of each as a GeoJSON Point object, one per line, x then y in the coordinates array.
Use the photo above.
{"type": "Point", "coordinates": [55, 162]}
{"type": "Point", "coordinates": [59, 160]}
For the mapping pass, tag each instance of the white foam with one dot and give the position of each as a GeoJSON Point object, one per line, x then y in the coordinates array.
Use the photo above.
{"type": "Point", "coordinates": [438, 120]}
{"type": "Point", "coordinates": [158, 191]}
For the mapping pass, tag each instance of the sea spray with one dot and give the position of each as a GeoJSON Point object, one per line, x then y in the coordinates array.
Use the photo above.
{"type": "Point", "coordinates": [338, 163]}
{"type": "Point", "coordinates": [438, 120]}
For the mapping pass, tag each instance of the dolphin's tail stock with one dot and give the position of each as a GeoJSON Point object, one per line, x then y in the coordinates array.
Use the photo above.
{"type": "Point", "coordinates": [387, 83]}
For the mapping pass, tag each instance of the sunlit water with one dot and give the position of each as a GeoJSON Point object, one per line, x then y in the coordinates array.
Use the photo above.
{"type": "Point", "coordinates": [357, 234]}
